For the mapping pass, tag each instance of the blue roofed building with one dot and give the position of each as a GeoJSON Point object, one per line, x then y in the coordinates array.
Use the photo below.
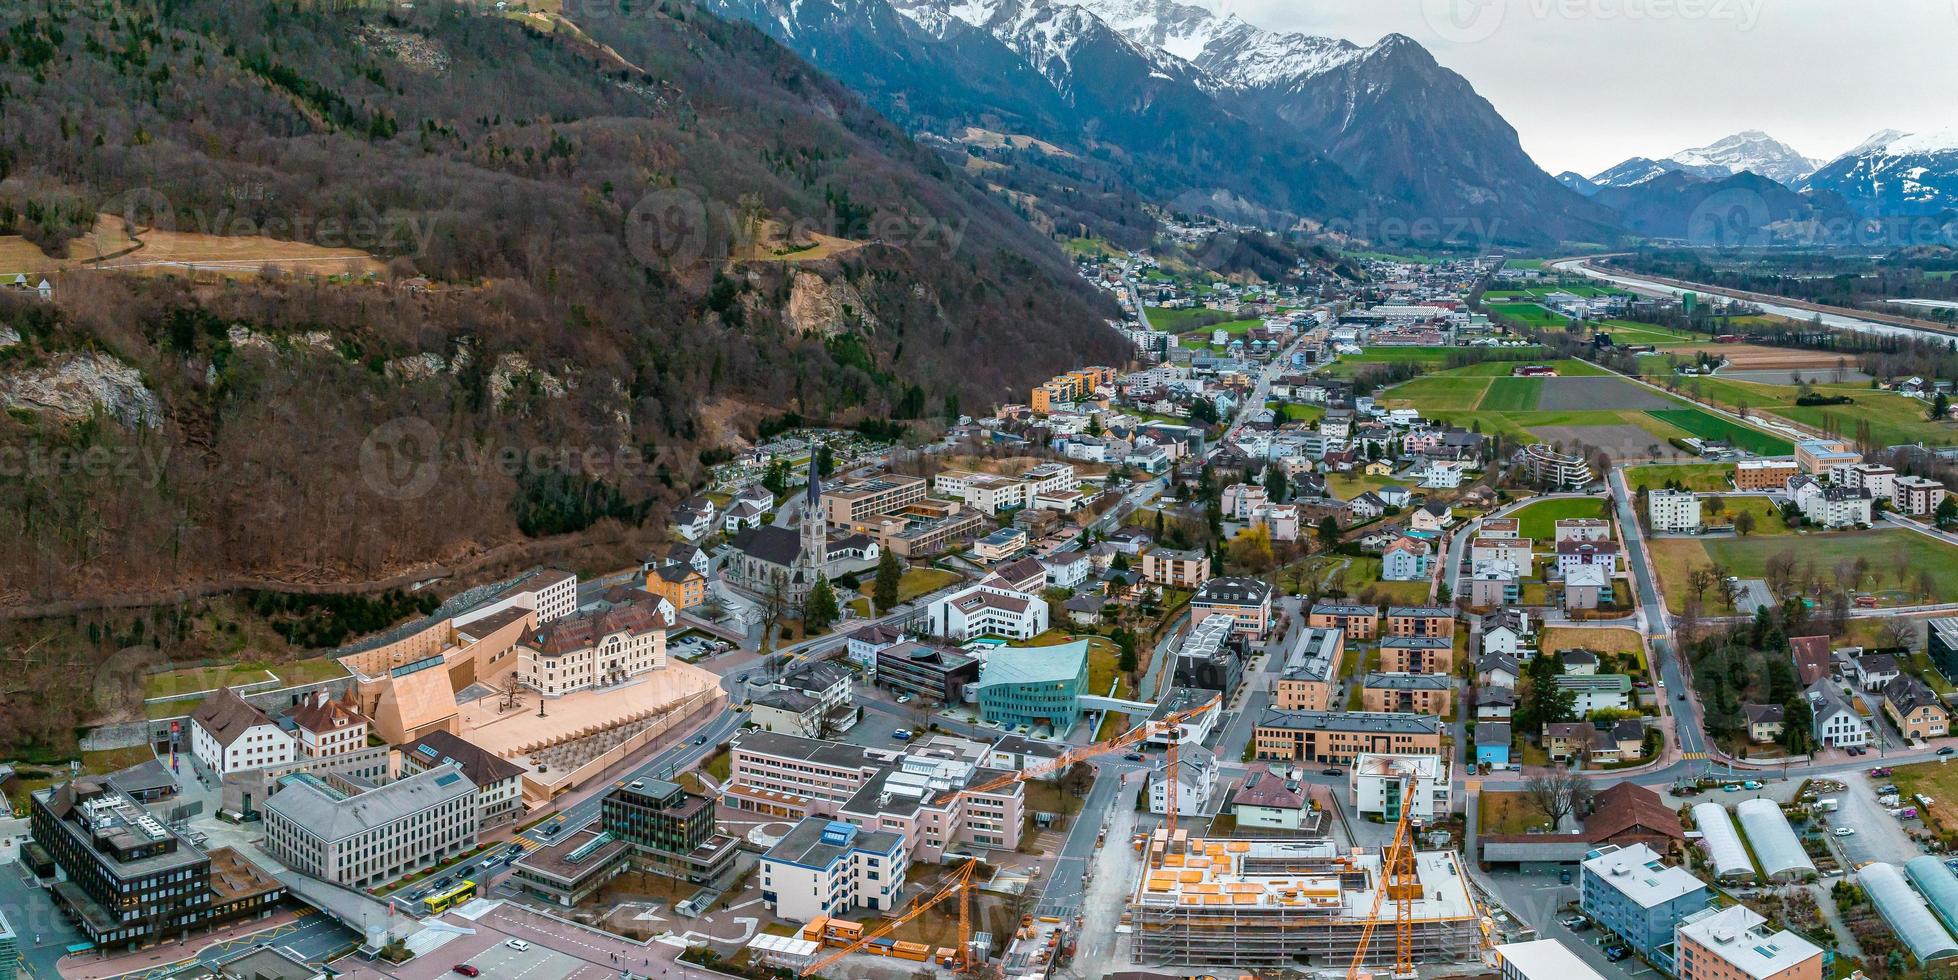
{"type": "Point", "coordinates": [1492, 740]}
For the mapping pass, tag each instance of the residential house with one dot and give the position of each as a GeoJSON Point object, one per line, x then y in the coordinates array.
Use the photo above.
{"type": "Point", "coordinates": [1432, 516]}
{"type": "Point", "coordinates": [863, 644]}
{"type": "Point", "coordinates": [1495, 703]}
{"type": "Point", "coordinates": [830, 868]}
{"type": "Point", "coordinates": [1916, 710]}
{"type": "Point", "coordinates": [1494, 583]}
{"type": "Point", "coordinates": [1626, 813]}
{"type": "Point", "coordinates": [1591, 529]}
{"type": "Point", "coordinates": [1566, 740]}
{"type": "Point", "coordinates": [1737, 943]}
{"type": "Point", "coordinates": [1837, 723]}
{"type": "Point", "coordinates": [1571, 554]}
{"type": "Point", "coordinates": [1385, 784]}
{"type": "Point", "coordinates": [1764, 722]}
{"type": "Point", "coordinates": [1498, 670]}
{"type": "Point", "coordinates": [1366, 506]}
{"type": "Point", "coordinates": [1673, 510]}
{"type": "Point", "coordinates": [1492, 743]}
{"type": "Point", "coordinates": [1812, 657]}
{"type": "Point", "coordinates": [1874, 670]}
{"type": "Point", "coordinates": [1272, 798]}
{"type": "Point", "coordinates": [1066, 569]}
{"type": "Point", "coordinates": [987, 610]}
{"type": "Point", "coordinates": [1597, 692]}
{"type": "Point", "coordinates": [1428, 694]}
{"type": "Point", "coordinates": [1432, 621]}
{"type": "Point", "coordinates": [1507, 631]}
{"type": "Point", "coordinates": [1407, 560]}
{"type": "Point", "coordinates": [1196, 782]}
{"type": "Point", "coordinates": [678, 583]}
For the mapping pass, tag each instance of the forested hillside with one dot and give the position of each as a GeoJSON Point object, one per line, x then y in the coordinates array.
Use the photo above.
{"type": "Point", "coordinates": [631, 252]}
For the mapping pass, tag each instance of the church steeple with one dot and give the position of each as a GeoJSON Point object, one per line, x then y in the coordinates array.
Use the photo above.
{"type": "Point", "coordinates": [815, 536]}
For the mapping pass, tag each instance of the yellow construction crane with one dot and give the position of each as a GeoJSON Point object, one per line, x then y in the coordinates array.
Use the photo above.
{"type": "Point", "coordinates": [1400, 881]}
{"type": "Point", "coordinates": [960, 884]}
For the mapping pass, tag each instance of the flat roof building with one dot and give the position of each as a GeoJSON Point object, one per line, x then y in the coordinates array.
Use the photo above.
{"type": "Point", "coordinates": [1735, 943]}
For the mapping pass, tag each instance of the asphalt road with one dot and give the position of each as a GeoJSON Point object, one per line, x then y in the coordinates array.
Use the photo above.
{"type": "Point", "coordinates": [1687, 730]}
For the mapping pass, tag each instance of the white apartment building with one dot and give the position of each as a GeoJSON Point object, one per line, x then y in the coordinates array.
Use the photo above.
{"type": "Point", "coordinates": [551, 594]}
{"type": "Point", "coordinates": [1916, 496]}
{"type": "Point", "coordinates": [985, 610]}
{"type": "Point", "coordinates": [372, 837]}
{"type": "Point", "coordinates": [1836, 505]}
{"type": "Point", "coordinates": [328, 727]}
{"type": "Point", "coordinates": [993, 493]}
{"type": "Point", "coordinates": [228, 734]}
{"type": "Point", "coordinates": [1878, 479]}
{"type": "Point", "coordinates": [827, 867]}
{"type": "Point", "coordinates": [1673, 510]}
{"type": "Point", "coordinates": [911, 795]}
{"type": "Point", "coordinates": [1377, 781]}
{"type": "Point", "coordinates": [594, 648]}
{"type": "Point", "coordinates": [1196, 782]}
{"type": "Point", "coordinates": [1592, 529]}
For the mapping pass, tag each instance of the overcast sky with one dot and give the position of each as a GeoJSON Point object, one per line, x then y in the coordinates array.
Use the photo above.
{"type": "Point", "coordinates": [1588, 83]}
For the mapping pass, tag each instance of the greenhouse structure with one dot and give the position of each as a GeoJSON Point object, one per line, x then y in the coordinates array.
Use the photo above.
{"type": "Point", "coordinates": [1723, 846]}
{"type": "Point", "coordinates": [1775, 843]}
{"type": "Point", "coordinates": [1939, 886]}
{"type": "Point", "coordinates": [1907, 914]}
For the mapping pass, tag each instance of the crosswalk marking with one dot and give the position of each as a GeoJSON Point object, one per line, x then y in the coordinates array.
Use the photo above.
{"type": "Point", "coordinates": [1695, 755]}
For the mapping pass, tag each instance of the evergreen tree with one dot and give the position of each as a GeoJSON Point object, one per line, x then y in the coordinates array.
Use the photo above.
{"type": "Point", "coordinates": [825, 459]}
{"type": "Point", "coordinates": [819, 608]}
{"type": "Point", "coordinates": [1277, 487]}
{"type": "Point", "coordinates": [1329, 532]}
{"type": "Point", "coordinates": [889, 575]}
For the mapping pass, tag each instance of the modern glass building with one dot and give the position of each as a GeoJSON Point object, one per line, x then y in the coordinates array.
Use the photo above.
{"type": "Point", "coordinates": [1034, 686]}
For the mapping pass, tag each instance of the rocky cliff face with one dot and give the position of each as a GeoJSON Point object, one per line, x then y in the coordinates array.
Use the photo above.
{"type": "Point", "coordinates": [70, 388]}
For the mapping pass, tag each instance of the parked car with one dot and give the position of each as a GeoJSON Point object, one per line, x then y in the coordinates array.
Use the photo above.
{"type": "Point", "coordinates": [902, 734]}
{"type": "Point", "coordinates": [1617, 953]}
{"type": "Point", "coordinates": [1332, 771]}
{"type": "Point", "coordinates": [1571, 921]}
{"type": "Point", "coordinates": [467, 970]}
{"type": "Point", "coordinates": [1752, 784]}
{"type": "Point", "coordinates": [1844, 831]}
{"type": "Point", "coordinates": [1563, 876]}
{"type": "Point", "coordinates": [517, 944]}
{"type": "Point", "coordinates": [1944, 750]}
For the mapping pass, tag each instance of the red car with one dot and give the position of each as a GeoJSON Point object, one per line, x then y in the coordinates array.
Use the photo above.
{"type": "Point", "coordinates": [467, 970]}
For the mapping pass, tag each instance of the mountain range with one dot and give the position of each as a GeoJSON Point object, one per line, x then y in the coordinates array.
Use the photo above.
{"type": "Point", "coordinates": [1749, 152]}
{"type": "Point", "coordinates": [1183, 106]}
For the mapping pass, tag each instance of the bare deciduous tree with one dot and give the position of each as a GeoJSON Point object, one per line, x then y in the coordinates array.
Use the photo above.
{"type": "Point", "coordinates": [1557, 792]}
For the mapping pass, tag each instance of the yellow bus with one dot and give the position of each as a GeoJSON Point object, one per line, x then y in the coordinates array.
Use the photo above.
{"type": "Point", "coordinates": [445, 900]}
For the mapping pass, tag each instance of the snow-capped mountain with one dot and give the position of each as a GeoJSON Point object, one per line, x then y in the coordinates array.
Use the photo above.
{"type": "Point", "coordinates": [1195, 108]}
{"type": "Point", "coordinates": [1750, 152]}
{"type": "Point", "coordinates": [1577, 182]}
{"type": "Point", "coordinates": [1753, 152]}
{"type": "Point", "coordinates": [1895, 173]}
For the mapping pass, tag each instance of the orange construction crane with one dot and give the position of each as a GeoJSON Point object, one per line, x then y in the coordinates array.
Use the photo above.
{"type": "Point", "coordinates": [960, 884]}
{"type": "Point", "coordinates": [1399, 881]}
{"type": "Point", "coordinates": [1142, 732]}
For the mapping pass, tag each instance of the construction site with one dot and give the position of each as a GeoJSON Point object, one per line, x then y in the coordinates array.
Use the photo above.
{"type": "Point", "coordinates": [1270, 902]}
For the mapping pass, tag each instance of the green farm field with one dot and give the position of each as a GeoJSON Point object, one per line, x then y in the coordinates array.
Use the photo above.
{"type": "Point", "coordinates": [1748, 558]}
{"type": "Point", "coordinates": [1511, 395]}
{"type": "Point", "coordinates": [1708, 426]}
{"type": "Point", "coordinates": [1692, 476]}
